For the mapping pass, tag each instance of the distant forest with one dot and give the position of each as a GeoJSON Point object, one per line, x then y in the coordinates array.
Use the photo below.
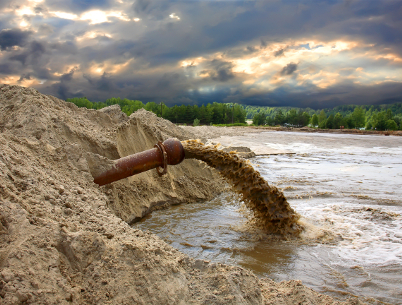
{"type": "Point", "coordinates": [215, 113]}
{"type": "Point", "coordinates": [380, 117]}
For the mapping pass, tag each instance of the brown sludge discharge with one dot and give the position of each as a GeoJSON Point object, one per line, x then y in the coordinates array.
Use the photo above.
{"type": "Point", "coordinates": [269, 205]}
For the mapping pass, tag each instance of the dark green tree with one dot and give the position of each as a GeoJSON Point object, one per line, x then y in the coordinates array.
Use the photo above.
{"type": "Point", "coordinates": [239, 114]}
{"type": "Point", "coordinates": [380, 122]}
{"type": "Point", "coordinates": [303, 118]}
{"type": "Point", "coordinates": [279, 118]}
{"type": "Point", "coordinates": [314, 120]}
{"type": "Point", "coordinates": [338, 120]}
{"type": "Point", "coordinates": [330, 122]}
{"type": "Point", "coordinates": [391, 125]}
{"type": "Point", "coordinates": [209, 114]}
{"type": "Point", "coordinates": [389, 114]}
{"type": "Point", "coordinates": [398, 121]}
{"type": "Point", "coordinates": [359, 117]}
{"type": "Point", "coordinates": [152, 106]}
{"type": "Point", "coordinates": [321, 118]}
{"type": "Point", "coordinates": [259, 119]}
{"type": "Point", "coordinates": [270, 121]}
{"type": "Point", "coordinates": [218, 113]}
{"type": "Point", "coordinates": [349, 122]}
{"type": "Point", "coordinates": [81, 102]}
{"type": "Point", "coordinates": [190, 114]}
{"type": "Point", "coordinates": [291, 117]}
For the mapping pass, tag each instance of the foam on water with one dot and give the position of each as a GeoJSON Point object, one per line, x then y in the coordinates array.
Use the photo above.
{"type": "Point", "coordinates": [370, 230]}
{"type": "Point", "coordinates": [354, 192]}
{"type": "Point", "coordinates": [347, 190]}
{"type": "Point", "coordinates": [367, 235]}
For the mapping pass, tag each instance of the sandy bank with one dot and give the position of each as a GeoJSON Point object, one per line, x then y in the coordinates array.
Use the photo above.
{"type": "Point", "coordinates": [63, 239]}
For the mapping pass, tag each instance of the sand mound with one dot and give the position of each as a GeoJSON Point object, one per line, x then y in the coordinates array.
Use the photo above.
{"type": "Point", "coordinates": [60, 239]}
{"type": "Point", "coordinates": [190, 181]}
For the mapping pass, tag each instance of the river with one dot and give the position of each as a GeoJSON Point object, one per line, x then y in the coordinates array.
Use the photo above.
{"type": "Point", "coordinates": [348, 190]}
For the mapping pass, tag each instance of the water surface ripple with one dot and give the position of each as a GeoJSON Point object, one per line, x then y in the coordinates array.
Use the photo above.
{"type": "Point", "coordinates": [349, 185]}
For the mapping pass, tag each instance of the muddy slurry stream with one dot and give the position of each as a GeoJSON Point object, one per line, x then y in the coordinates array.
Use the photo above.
{"type": "Point", "coordinates": [347, 191]}
{"type": "Point", "coordinates": [270, 208]}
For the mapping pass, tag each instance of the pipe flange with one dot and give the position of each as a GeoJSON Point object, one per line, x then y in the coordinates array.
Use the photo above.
{"type": "Point", "coordinates": [162, 149]}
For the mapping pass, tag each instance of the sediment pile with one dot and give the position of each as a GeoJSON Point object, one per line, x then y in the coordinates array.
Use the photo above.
{"type": "Point", "coordinates": [60, 239]}
{"type": "Point", "coordinates": [136, 196]}
{"type": "Point", "coordinates": [269, 205]}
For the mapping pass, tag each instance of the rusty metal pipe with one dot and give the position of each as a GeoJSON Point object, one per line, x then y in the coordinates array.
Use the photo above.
{"type": "Point", "coordinates": [169, 152]}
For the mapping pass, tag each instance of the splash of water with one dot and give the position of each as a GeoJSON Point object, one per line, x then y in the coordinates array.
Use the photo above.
{"type": "Point", "coordinates": [268, 204]}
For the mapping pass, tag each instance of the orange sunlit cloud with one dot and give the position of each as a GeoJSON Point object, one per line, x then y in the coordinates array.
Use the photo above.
{"type": "Point", "coordinates": [263, 66]}
{"type": "Point", "coordinates": [242, 51]}
{"type": "Point", "coordinates": [109, 67]}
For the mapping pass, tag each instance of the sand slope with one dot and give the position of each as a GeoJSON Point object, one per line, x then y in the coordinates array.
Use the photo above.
{"type": "Point", "coordinates": [60, 239]}
{"type": "Point", "coordinates": [187, 182]}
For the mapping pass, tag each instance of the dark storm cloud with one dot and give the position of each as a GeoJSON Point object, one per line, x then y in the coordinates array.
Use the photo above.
{"type": "Point", "coordinates": [90, 55]}
{"type": "Point", "coordinates": [316, 98]}
{"type": "Point", "coordinates": [279, 52]}
{"type": "Point", "coordinates": [251, 49]}
{"type": "Point", "coordinates": [78, 6]}
{"type": "Point", "coordinates": [31, 54]}
{"type": "Point", "coordinates": [67, 76]}
{"type": "Point", "coordinates": [222, 75]}
{"type": "Point", "coordinates": [7, 68]}
{"type": "Point", "coordinates": [172, 40]}
{"type": "Point", "coordinates": [346, 94]}
{"type": "Point", "coordinates": [31, 59]}
{"type": "Point", "coordinates": [259, 22]}
{"type": "Point", "coordinates": [39, 10]}
{"type": "Point", "coordinates": [25, 76]}
{"type": "Point", "coordinates": [42, 73]}
{"type": "Point", "coordinates": [328, 20]}
{"type": "Point", "coordinates": [13, 37]}
{"type": "Point", "coordinates": [166, 44]}
{"type": "Point", "coordinates": [219, 32]}
{"type": "Point", "coordinates": [141, 6]}
{"type": "Point", "coordinates": [67, 47]}
{"type": "Point", "coordinates": [376, 22]}
{"type": "Point", "coordinates": [220, 71]}
{"type": "Point", "coordinates": [59, 23]}
{"type": "Point", "coordinates": [46, 29]}
{"type": "Point", "coordinates": [103, 83]}
{"type": "Point", "coordinates": [289, 69]}
{"type": "Point", "coordinates": [63, 87]}
{"type": "Point", "coordinates": [5, 3]}
{"type": "Point", "coordinates": [169, 79]}
{"type": "Point", "coordinates": [156, 9]}
{"type": "Point", "coordinates": [63, 91]}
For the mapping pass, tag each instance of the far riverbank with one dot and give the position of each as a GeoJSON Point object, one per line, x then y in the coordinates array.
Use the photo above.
{"type": "Point", "coordinates": [345, 131]}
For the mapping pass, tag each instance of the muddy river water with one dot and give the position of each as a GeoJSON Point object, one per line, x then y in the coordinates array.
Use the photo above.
{"type": "Point", "coordinates": [348, 189]}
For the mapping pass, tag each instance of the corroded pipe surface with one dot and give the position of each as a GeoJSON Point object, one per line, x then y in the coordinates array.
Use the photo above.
{"type": "Point", "coordinates": [169, 152]}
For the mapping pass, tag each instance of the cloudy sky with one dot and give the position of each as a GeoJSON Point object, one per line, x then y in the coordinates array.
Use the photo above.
{"type": "Point", "coordinates": [307, 53]}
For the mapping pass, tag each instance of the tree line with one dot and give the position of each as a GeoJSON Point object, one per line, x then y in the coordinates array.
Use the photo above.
{"type": "Point", "coordinates": [379, 117]}
{"type": "Point", "coordinates": [215, 113]}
